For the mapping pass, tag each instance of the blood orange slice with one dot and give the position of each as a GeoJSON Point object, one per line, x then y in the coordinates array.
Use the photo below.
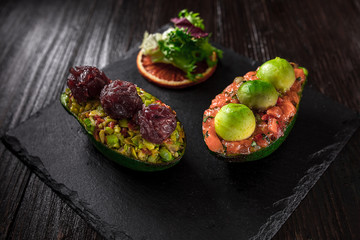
{"type": "Point", "coordinates": [166, 75]}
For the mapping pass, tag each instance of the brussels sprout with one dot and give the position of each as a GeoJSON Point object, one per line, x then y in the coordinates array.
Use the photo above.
{"type": "Point", "coordinates": [278, 72]}
{"type": "Point", "coordinates": [257, 94]}
{"type": "Point", "coordinates": [234, 122]}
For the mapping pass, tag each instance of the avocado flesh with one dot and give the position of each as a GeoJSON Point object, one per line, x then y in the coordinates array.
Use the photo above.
{"type": "Point", "coordinates": [123, 160]}
{"type": "Point", "coordinates": [266, 151]}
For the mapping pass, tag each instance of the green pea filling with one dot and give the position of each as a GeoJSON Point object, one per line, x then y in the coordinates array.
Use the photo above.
{"type": "Point", "coordinates": [165, 154]}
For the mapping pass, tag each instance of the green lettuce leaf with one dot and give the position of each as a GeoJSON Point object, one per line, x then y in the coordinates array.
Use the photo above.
{"type": "Point", "coordinates": [177, 47]}
{"type": "Point", "coordinates": [194, 18]}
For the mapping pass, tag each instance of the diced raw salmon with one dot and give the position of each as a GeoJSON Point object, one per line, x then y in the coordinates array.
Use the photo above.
{"type": "Point", "coordinates": [288, 109]}
{"type": "Point", "coordinates": [274, 112]}
{"type": "Point", "coordinates": [250, 76]}
{"type": "Point", "coordinates": [273, 126]}
{"type": "Point", "coordinates": [236, 147]}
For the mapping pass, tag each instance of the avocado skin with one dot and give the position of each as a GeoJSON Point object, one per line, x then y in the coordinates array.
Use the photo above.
{"type": "Point", "coordinates": [119, 158]}
{"type": "Point", "coordinates": [264, 152]}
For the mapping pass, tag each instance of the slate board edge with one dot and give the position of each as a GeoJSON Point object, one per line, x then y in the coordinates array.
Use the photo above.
{"type": "Point", "coordinates": [69, 196]}
{"type": "Point", "coordinates": [266, 231]}
{"type": "Point", "coordinates": [274, 223]}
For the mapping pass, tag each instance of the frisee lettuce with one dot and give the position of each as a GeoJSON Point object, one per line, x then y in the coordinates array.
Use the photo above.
{"type": "Point", "coordinates": [194, 18]}
{"type": "Point", "coordinates": [178, 47]}
{"type": "Point", "coordinates": [189, 28]}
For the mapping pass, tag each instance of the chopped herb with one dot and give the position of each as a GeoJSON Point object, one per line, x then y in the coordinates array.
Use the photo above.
{"type": "Point", "coordinates": [298, 79]}
{"type": "Point", "coordinates": [253, 144]}
{"type": "Point", "coordinates": [264, 136]}
{"type": "Point", "coordinates": [206, 118]}
{"type": "Point", "coordinates": [234, 97]}
{"type": "Point", "coordinates": [207, 133]}
{"type": "Point", "coordinates": [225, 148]}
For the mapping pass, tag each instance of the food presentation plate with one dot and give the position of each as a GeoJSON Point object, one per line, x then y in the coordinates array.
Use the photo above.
{"type": "Point", "coordinates": [200, 198]}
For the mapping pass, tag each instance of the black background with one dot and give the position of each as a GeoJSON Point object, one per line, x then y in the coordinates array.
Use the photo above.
{"type": "Point", "coordinates": [40, 40]}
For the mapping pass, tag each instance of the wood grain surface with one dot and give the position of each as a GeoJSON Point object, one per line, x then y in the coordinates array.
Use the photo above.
{"type": "Point", "coordinates": [40, 40]}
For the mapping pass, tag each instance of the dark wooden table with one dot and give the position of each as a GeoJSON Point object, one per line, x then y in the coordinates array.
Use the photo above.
{"type": "Point", "coordinates": [40, 40]}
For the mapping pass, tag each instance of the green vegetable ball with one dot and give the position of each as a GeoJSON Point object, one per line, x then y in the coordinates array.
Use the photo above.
{"type": "Point", "coordinates": [278, 72]}
{"type": "Point", "coordinates": [234, 122]}
{"type": "Point", "coordinates": [257, 94]}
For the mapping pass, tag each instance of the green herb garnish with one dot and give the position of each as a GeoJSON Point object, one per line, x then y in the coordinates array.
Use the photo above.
{"type": "Point", "coordinates": [180, 47]}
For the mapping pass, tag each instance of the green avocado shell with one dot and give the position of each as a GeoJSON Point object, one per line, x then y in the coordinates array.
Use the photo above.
{"type": "Point", "coordinates": [125, 161]}
{"type": "Point", "coordinates": [264, 152]}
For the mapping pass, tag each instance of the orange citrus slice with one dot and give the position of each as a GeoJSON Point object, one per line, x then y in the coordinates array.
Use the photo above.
{"type": "Point", "coordinates": [167, 75]}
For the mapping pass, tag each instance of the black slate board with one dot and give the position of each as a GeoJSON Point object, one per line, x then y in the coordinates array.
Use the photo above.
{"type": "Point", "coordinates": [201, 197]}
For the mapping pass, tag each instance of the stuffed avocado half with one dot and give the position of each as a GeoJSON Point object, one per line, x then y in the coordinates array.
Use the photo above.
{"type": "Point", "coordinates": [253, 115]}
{"type": "Point", "coordinates": [124, 122]}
